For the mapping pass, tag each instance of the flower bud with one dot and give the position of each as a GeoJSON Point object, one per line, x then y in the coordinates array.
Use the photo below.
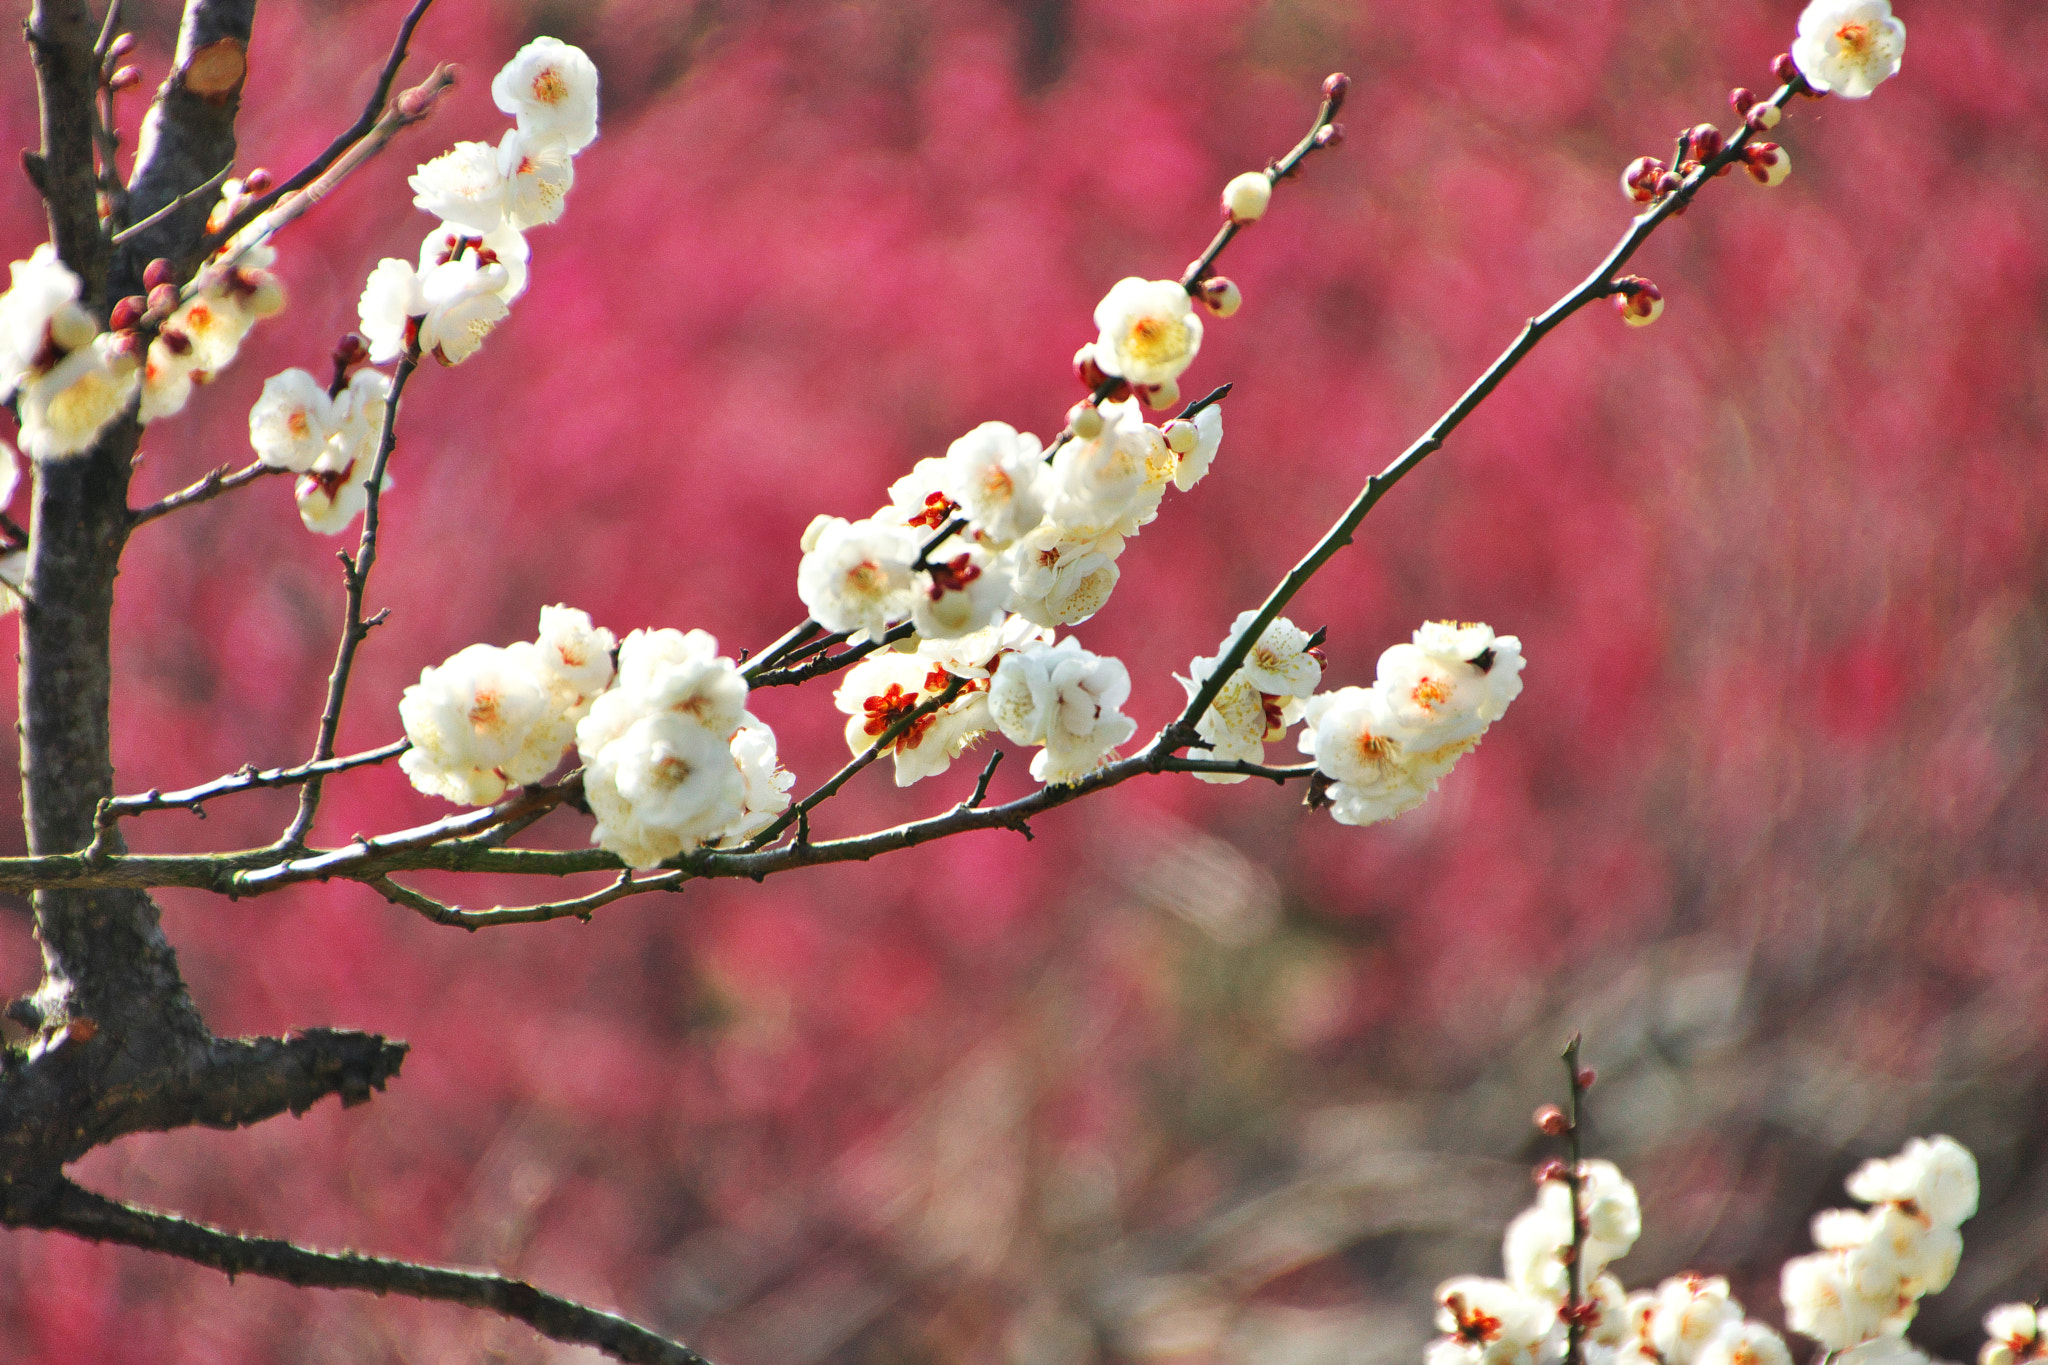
{"type": "Point", "coordinates": [163, 298]}
{"type": "Point", "coordinates": [1181, 436]}
{"type": "Point", "coordinates": [1704, 142]}
{"type": "Point", "coordinates": [1767, 162]}
{"type": "Point", "coordinates": [126, 313]}
{"type": "Point", "coordinates": [1085, 421]}
{"type": "Point", "coordinates": [1784, 68]}
{"type": "Point", "coordinates": [155, 273]}
{"type": "Point", "coordinates": [1637, 300]}
{"type": "Point", "coordinates": [258, 182]}
{"type": "Point", "coordinates": [1157, 396]}
{"type": "Point", "coordinates": [1741, 99]}
{"type": "Point", "coordinates": [123, 44]}
{"type": "Point", "coordinates": [350, 350]}
{"type": "Point", "coordinates": [124, 78]}
{"type": "Point", "coordinates": [1587, 1075]}
{"type": "Point", "coordinates": [1550, 1120]}
{"type": "Point", "coordinates": [1330, 135]}
{"type": "Point", "coordinates": [1642, 181]}
{"type": "Point", "coordinates": [1336, 86]}
{"type": "Point", "coordinates": [1547, 1171]}
{"type": "Point", "coordinates": [1220, 294]}
{"type": "Point", "coordinates": [1245, 198]}
{"type": "Point", "coordinates": [1086, 370]}
{"type": "Point", "coordinates": [1764, 117]}
{"type": "Point", "coordinates": [127, 351]}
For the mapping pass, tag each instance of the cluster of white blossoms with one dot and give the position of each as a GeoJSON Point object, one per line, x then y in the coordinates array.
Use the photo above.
{"type": "Point", "coordinates": [671, 758]}
{"type": "Point", "coordinates": [1849, 47]}
{"type": "Point", "coordinates": [202, 335]}
{"type": "Point", "coordinates": [1040, 539]}
{"type": "Point", "coordinates": [473, 266]}
{"type": "Point", "coordinates": [68, 378]}
{"type": "Point", "coordinates": [1268, 693]}
{"type": "Point", "coordinates": [329, 439]}
{"type": "Point", "coordinates": [1385, 747]}
{"type": "Point", "coordinates": [1858, 1293]}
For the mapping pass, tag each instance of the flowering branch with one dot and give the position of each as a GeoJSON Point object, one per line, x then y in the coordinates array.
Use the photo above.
{"type": "Point", "coordinates": [355, 629]}
{"type": "Point", "coordinates": [70, 1208]}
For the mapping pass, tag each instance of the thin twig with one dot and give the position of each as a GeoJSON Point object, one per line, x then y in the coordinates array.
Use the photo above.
{"type": "Point", "coordinates": [1575, 1285]}
{"type": "Point", "coordinates": [354, 630]}
{"type": "Point", "coordinates": [831, 663]}
{"type": "Point", "coordinates": [215, 483]}
{"type": "Point", "coordinates": [773, 655]}
{"type": "Point", "coordinates": [360, 129]}
{"type": "Point", "coordinates": [212, 183]}
{"type": "Point", "coordinates": [579, 907]}
{"type": "Point", "coordinates": [988, 773]}
{"type": "Point", "coordinates": [940, 537]}
{"type": "Point", "coordinates": [1276, 172]}
{"type": "Point", "coordinates": [99, 1219]}
{"type": "Point", "coordinates": [1278, 776]}
{"type": "Point", "coordinates": [248, 779]}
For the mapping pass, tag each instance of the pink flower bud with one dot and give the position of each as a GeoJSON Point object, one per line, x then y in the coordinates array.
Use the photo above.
{"type": "Point", "coordinates": [1741, 99]}
{"type": "Point", "coordinates": [1637, 300]}
{"type": "Point", "coordinates": [1330, 135]}
{"type": "Point", "coordinates": [1783, 67]}
{"type": "Point", "coordinates": [1704, 142]}
{"type": "Point", "coordinates": [1086, 370]}
{"type": "Point", "coordinates": [124, 78]}
{"type": "Point", "coordinates": [1643, 178]}
{"type": "Point", "coordinates": [1550, 1121]}
{"type": "Point", "coordinates": [1219, 293]}
{"type": "Point", "coordinates": [1335, 87]}
{"type": "Point", "coordinates": [257, 182]}
{"type": "Point", "coordinates": [163, 299]}
{"type": "Point", "coordinates": [122, 45]}
{"type": "Point", "coordinates": [350, 350]}
{"type": "Point", "coordinates": [156, 272]}
{"type": "Point", "coordinates": [1767, 162]}
{"type": "Point", "coordinates": [126, 313]}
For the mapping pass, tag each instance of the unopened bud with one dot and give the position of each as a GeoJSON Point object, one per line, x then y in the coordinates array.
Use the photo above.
{"type": "Point", "coordinates": [1669, 183]}
{"type": "Point", "coordinates": [1085, 421]}
{"type": "Point", "coordinates": [1550, 1120]}
{"type": "Point", "coordinates": [1642, 179]}
{"type": "Point", "coordinates": [124, 78]}
{"type": "Point", "coordinates": [351, 350]}
{"type": "Point", "coordinates": [1704, 142]}
{"type": "Point", "coordinates": [1221, 295]}
{"type": "Point", "coordinates": [1162, 395]}
{"type": "Point", "coordinates": [126, 313]}
{"type": "Point", "coordinates": [123, 44]}
{"type": "Point", "coordinates": [1637, 300]}
{"type": "Point", "coordinates": [1587, 1075]}
{"type": "Point", "coordinates": [1741, 99]}
{"type": "Point", "coordinates": [1764, 117]}
{"type": "Point", "coordinates": [1784, 68]}
{"type": "Point", "coordinates": [1086, 370]}
{"type": "Point", "coordinates": [1336, 86]}
{"type": "Point", "coordinates": [1330, 135]}
{"type": "Point", "coordinates": [1767, 163]}
{"type": "Point", "coordinates": [126, 351]}
{"type": "Point", "coordinates": [163, 298]}
{"type": "Point", "coordinates": [1181, 436]}
{"type": "Point", "coordinates": [257, 182]}
{"type": "Point", "coordinates": [1245, 198]}
{"type": "Point", "coordinates": [156, 272]}
{"type": "Point", "coordinates": [1547, 1171]}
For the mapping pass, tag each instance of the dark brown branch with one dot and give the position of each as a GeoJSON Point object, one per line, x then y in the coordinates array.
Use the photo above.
{"type": "Point", "coordinates": [215, 483]}
{"type": "Point", "coordinates": [248, 779]}
{"type": "Point", "coordinates": [355, 133]}
{"type": "Point", "coordinates": [60, 37]}
{"type": "Point", "coordinates": [939, 537]}
{"type": "Point", "coordinates": [988, 773]}
{"type": "Point", "coordinates": [1279, 776]}
{"type": "Point", "coordinates": [580, 907]}
{"type": "Point", "coordinates": [68, 1208]}
{"type": "Point", "coordinates": [818, 667]}
{"type": "Point", "coordinates": [776, 652]}
{"type": "Point", "coordinates": [354, 629]}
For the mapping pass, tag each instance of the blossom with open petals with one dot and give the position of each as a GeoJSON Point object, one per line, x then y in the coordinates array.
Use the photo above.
{"type": "Point", "coordinates": [996, 476]}
{"type": "Point", "coordinates": [480, 722]}
{"type": "Point", "coordinates": [292, 421]}
{"type": "Point", "coordinates": [1149, 331]}
{"type": "Point", "coordinates": [882, 689]}
{"type": "Point", "coordinates": [551, 88]}
{"type": "Point", "coordinates": [463, 186]}
{"type": "Point", "coordinates": [1061, 582]}
{"type": "Point", "coordinates": [1066, 699]}
{"type": "Point", "coordinates": [463, 301]}
{"type": "Point", "coordinates": [1208, 440]}
{"type": "Point", "coordinates": [855, 575]}
{"type": "Point", "coordinates": [1849, 47]}
{"type": "Point", "coordinates": [63, 409]}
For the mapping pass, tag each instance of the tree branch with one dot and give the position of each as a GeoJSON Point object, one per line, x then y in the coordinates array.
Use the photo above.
{"type": "Point", "coordinates": [60, 37]}
{"type": "Point", "coordinates": [216, 482]}
{"type": "Point", "coordinates": [68, 1208]}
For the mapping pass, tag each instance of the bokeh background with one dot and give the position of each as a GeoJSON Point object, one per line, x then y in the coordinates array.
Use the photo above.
{"type": "Point", "coordinates": [1197, 1075]}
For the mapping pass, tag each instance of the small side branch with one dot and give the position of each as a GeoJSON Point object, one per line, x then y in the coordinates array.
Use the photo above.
{"type": "Point", "coordinates": [70, 1208]}
{"type": "Point", "coordinates": [1279, 776]}
{"type": "Point", "coordinates": [215, 483]}
{"type": "Point", "coordinates": [578, 907]}
{"type": "Point", "coordinates": [822, 663]}
{"type": "Point", "coordinates": [250, 778]}
{"type": "Point", "coordinates": [354, 630]}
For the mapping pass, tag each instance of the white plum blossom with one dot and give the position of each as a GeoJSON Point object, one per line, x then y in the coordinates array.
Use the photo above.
{"type": "Point", "coordinates": [1352, 736]}
{"type": "Point", "coordinates": [39, 311]}
{"type": "Point", "coordinates": [1149, 331]}
{"type": "Point", "coordinates": [1865, 1282]}
{"type": "Point", "coordinates": [1236, 725]}
{"type": "Point", "coordinates": [63, 409]}
{"type": "Point", "coordinates": [464, 301]}
{"type": "Point", "coordinates": [538, 175]}
{"type": "Point", "coordinates": [575, 658]}
{"type": "Point", "coordinates": [1208, 440]}
{"type": "Point", "coordinates": [855, 575]}
{"type": "Point", "coordinates": [502, 246]}
{"type": "Point", "coordinates": [2013, 1332]}
{"type": "Point", "coordinates": [976, 656]}
{"type": "Point", "coordinates": [480, 722]}
{"type": "Point", "coordinates": [292, 422]}
{"type": "Point", "coordinates": [880, 690]}
{"type": "Point", "coordinates": [1489, 1322]}
{"type": "Point", "coordinates": [1450, 683]}
{"type": "Point", "coordinates": [1262, 697]}
{"type": "Point", "coordinates": [1537, 1247]}
{"type": "Point", "coordinates": [551, 88]}
{"type": "Point", "coordinates": [1743, 1343]}
{"type": "Point", "coordinates": [995, 474]}
{"type": "Point", "coordinates": [463, 186]}
{"type": "Point", "coordinates": [959, 594]}
{"type": "Point", "coordinates": [1849, 47]}
{"type": "Point", "coordinates": [1690, 1311]}
{"type": "Point", "coordinates": [389, 302]}
{"type": "Point", "coordinates": [1058, 581]}
{"type": "Point", "coordinates": [334, 487]}
{"type": "Point", "coordinates": [1066, 699]}
{"type": "Point", "coordinates": [167, 379]}
{"type": "Point", "coordinates": [1279, 664]}
{"type": "Point", "coordinates": [664, 768]}
{"type": "Point", "coordinates": [1101, 486]}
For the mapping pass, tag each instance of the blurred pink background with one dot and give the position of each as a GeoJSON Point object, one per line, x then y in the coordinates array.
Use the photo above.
{"type": "Point", "coordinates": [1197, 1075]}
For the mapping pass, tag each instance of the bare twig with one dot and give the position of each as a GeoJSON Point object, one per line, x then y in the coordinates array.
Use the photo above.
{"type": "Point", "coordinates": [939, 537]}
{"type": "Point", "coordinates": [775, 653]}
{"type": "Point", "coordinates": [248, 779]}
{"type": "Point", "coordinates": [354, 630]}
{"type": "Point", "coordinates": [1574, 1179]}
{"type": "Point", "coordinates": [1278, 776]}
{"type": "Point", "coordinates": [96, 1218]}
{"type": "Point", "coordinates": [357, 131]}
{"type": "Point", "coordinates": [830, 663]}
{"type": "Point", "coordinates": [212, 183]}
{"type": "Point", "coordinates": [215, 483]}
{"type": "Point", "coordinates": [580, 907]}
{"type": "Point", "coordinates": [988, 773]}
